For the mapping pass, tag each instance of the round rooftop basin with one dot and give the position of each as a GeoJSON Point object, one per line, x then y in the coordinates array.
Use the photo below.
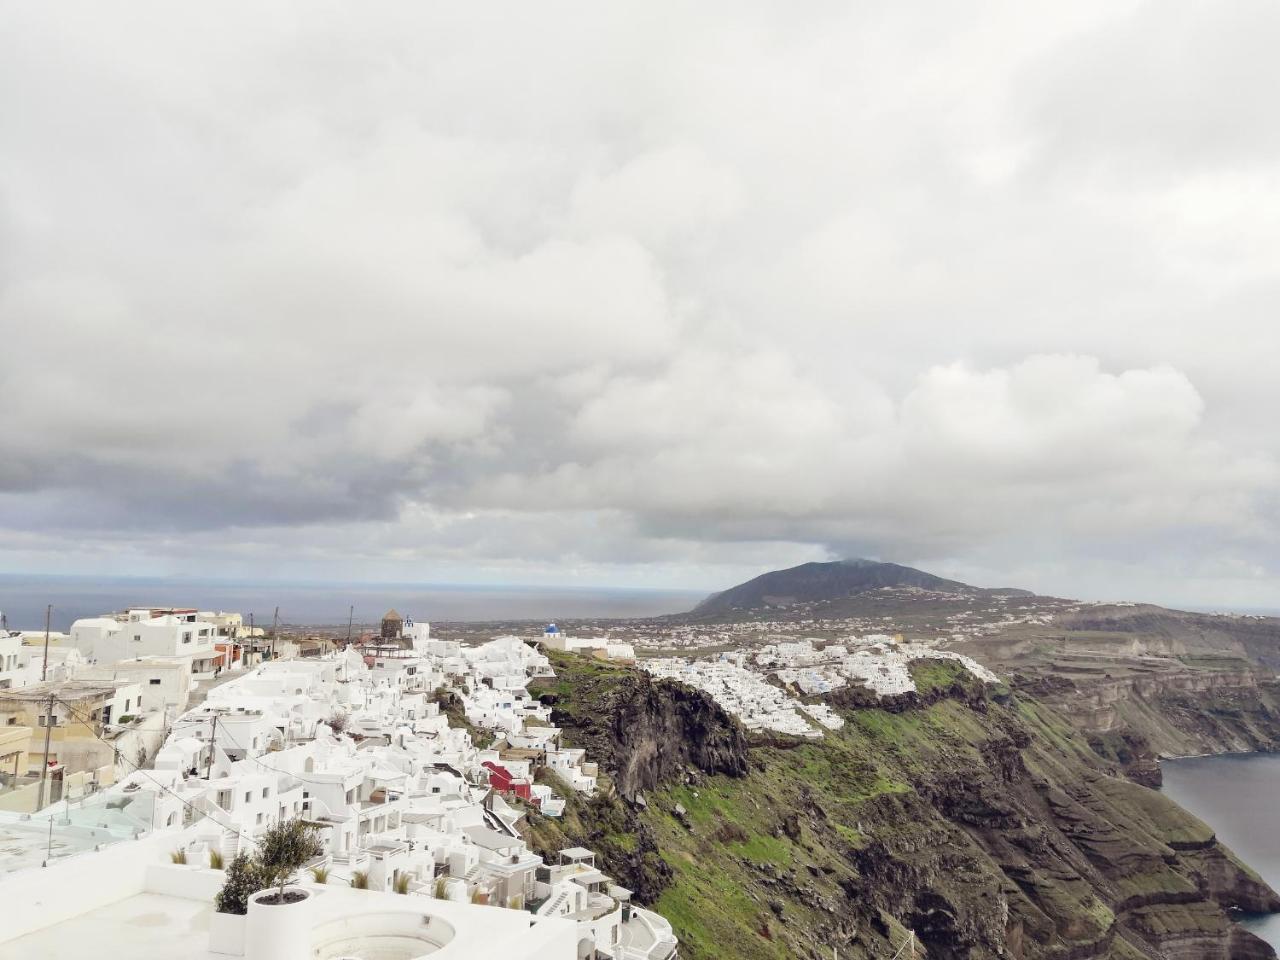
{"type": "Point", "coordinates": [380, 936]}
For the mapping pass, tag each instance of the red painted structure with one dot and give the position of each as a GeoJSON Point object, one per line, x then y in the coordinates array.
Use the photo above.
{"type": "Point", "coordinates": [500, 779]}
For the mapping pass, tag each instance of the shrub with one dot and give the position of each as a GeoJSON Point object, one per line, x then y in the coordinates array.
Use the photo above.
{"type": "Point", "coordinates": [401, 883]}
{"type": "Point", "coordinates": [320, 874]}
{"type": "Point", "coordinates": [359, 880]}
{"type": "Point", "coordinates": [442, 887]}
{"type": "Point", "coordinates": [338, 722]}
{"type": "Point", "coordinates": [178, 856]}
{"type": "Point", "coordinates": [284, 848]}
{"type": "Point", "coordinates": [216, 861]}
{"type": "Point", "coordinates": [479, 896]}
{"type": "Point", "coordinates": [244, 879]}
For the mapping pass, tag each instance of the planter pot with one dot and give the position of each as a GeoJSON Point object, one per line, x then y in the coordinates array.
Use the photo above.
{"type": "Point", "coordinates": [226, 934]}
{"type": "Point", "coordinates": [279, 931]}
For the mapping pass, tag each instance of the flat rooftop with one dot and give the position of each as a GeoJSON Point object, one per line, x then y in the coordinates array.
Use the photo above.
{"type": "Point", "coordinates": [149, 926]}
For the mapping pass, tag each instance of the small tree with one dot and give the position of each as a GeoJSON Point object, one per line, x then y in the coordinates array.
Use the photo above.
{"type": "Point", "coordinates": [338, 722]}
{"type": "Point", "coordinates": [283, 849]}
{"type": "Point", "coordinates": [244, 879]}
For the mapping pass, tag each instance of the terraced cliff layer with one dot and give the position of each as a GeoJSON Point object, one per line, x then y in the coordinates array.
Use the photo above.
{"type": "Point", "coordinates": [987, 825]}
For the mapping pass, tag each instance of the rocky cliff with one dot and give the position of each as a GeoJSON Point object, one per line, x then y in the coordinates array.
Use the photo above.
{"type": "Point", "coordinates": [988, 826]}
{"type": "Point", "coordinates": [1170, 712]}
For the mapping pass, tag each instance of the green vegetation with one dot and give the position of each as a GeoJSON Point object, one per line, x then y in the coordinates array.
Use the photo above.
{"type": "Point", "coordinates": [284, 848]}
{"type": "Point", "coordinates": [244, 879]}
{"type": "Point", "coordinates": [962, 814]}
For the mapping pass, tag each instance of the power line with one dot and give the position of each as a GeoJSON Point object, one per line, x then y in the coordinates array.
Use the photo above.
{"type": "Point", "coordinates": [137, 768]}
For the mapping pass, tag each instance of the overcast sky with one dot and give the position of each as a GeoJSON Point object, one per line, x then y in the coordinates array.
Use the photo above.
{"type": "Point", "coordinates": [646, 294]}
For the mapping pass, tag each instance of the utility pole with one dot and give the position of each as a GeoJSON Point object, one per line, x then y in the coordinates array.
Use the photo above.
{"type": "Point", "coordinates": [275, 624]}
{"type": "Point", "coordinates": [44, 667]}
{"type": "Point", "coordinates": [213, 735]}
{"type": "Point", "coordinates": [44, 768]}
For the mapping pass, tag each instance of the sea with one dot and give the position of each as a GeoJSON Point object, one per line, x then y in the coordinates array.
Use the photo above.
{"type": "Point", "coordinates": [23, 600]}
{"type": "Point", "coordinates": [1236, 795]}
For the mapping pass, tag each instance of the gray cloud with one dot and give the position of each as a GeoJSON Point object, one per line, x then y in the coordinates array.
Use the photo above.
{"type": "Point", "coordinates": [571, 294]}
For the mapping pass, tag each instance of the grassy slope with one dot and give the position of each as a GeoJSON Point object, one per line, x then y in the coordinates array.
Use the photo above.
{"type": "Point", "coordinates": [906, 818]}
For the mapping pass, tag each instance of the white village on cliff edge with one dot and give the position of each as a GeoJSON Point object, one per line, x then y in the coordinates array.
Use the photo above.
{"type": "Point", "coordinates": [141, 752]}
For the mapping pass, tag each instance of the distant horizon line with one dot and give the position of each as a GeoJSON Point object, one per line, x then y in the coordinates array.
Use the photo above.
{"type": "Point", "coordinates": [417, 584]}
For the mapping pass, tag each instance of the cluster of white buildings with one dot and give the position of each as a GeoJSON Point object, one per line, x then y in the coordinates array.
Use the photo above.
{"type": "Point", "coordinates": [744, 693]}
{"type": "Point", "coordinates": [877, 662]}
{"type": "Point", "coordinates": [420, 826]}
{"type": "Point", "coordinates": [106, 689]}
{"type": "Point", "coordinates": [738, 681]}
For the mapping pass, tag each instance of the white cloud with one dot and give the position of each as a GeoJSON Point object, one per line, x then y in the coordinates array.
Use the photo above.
{"type": "Point", "coordinates": [928, 283]}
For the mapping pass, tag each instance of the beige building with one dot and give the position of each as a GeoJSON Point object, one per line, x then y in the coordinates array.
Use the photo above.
{"type": "Point", "coordinates": [15, 747]}
{"type": "Point", "coordinates": [77, 724]}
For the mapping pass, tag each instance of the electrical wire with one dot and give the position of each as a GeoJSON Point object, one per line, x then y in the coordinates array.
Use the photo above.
{"type": "Point", "coordinates": [137, 768]}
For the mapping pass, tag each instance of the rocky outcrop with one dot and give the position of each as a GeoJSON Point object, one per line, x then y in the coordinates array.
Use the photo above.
{"type": "Point", "coordinates": [644, 732]}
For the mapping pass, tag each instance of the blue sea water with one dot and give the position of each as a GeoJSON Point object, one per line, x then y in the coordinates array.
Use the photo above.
{"type": "Point", "coordinates": [23, 600]}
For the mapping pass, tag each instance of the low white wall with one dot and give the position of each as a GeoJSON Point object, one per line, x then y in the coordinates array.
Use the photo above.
{"type": "Point", "coordinates": [188, 882]}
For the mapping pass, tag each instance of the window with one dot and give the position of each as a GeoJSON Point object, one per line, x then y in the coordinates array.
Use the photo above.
{"type": "Point", "coordinates": [264, 792]}
{"type": "Point", "coordinates": [126, 704]}
{"type": "Point", "coordinates": [259, 819]}
{"type": "Point", "coordinates": [154, 681]}
{"type": "Point", "coordinates": [248, 795]}
{"type": "Point", "coordinates": [48, 720]}
{"type": "Point", "coordinates": [186, 636]}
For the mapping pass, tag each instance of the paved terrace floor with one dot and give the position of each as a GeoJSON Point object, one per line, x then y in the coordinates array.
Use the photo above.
{"type": "Point", "coordinates": [149, 926]}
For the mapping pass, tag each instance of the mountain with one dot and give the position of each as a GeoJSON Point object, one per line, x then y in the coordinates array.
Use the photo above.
{"type": "Point", "coordinates": [836, 580]}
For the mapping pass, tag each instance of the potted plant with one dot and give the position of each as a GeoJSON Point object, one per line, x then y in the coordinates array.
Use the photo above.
{"type": "Point", "coordinates": [227, 925]}
{"type": "Point", "coordinates": [282, 852]}
{"type": "Point", "coordinates": [279, 919]}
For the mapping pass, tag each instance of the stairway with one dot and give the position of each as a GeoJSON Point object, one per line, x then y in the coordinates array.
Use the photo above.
{"type": "Point", "coordinates": [552, 907]}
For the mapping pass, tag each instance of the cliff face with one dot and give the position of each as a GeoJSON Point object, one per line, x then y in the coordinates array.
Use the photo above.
{"type": "Point", "coordinates": [1173, 712]}
{"type": "Point", "coordinates": [989, 827]}
{"type": "Point", "coordinates": [645, 732]}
